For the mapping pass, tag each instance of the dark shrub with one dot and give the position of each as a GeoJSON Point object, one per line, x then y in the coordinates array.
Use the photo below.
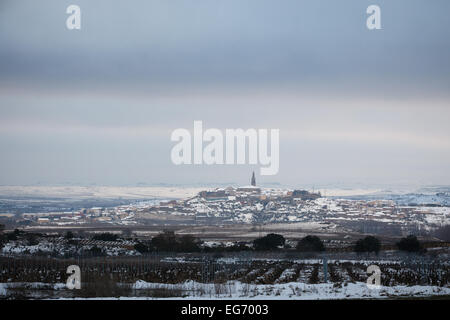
{"type": "Point", "coordinates": [409, 244]}
{"type": "Point", "coordinates": [368, 244]}
{"type": "Point", "coordinates": [14, 235]}
{"type": "Point", "coordinates": [310, 244]}
{"type": "Point", "coordinates": [270, 242]}
{"type": "Point", "coordinates": [69, 235]}
{"type": "Point", "coordinates": [168, 241]}
{"type": "Point", "coordinates": [141, 248]}
{"type": "Point", "coordinates": [188, 243]}
{"type": "Point", "coordinates": [165, 241]}
{"type": "Point", "coordinates": [32, 239]}
{"type": "Point", "coordinates": [95, 252]}
{"type": "Point", "coordinates": [105, 237]}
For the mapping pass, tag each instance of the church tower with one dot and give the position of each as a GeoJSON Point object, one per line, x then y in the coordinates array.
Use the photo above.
{"type": "Point", "coordinates": [253, 179]}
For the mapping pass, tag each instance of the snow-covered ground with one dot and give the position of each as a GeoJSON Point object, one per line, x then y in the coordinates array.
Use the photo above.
{"type": "Point", "coordinates": [239, 290]}
{"type": "Point", "coordinates": [97, 192]}
{"type": "Point", "coordinates": [293, 290]}
{"type": "Point", "coordinates": [61, 249]}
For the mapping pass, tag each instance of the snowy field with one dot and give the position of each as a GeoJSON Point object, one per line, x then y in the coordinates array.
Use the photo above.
{"type": "Point", "coordinates": [132, 278]}
{"type": "Point", "coordinates": [100, 192]}
{"type": "Point", "coordinates": [293, 290]}
{"type": "Point", "coordinates": [244, 291]}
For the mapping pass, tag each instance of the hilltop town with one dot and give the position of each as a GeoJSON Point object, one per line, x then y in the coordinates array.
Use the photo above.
{"type": "Point", "coordinates": [257, 206]}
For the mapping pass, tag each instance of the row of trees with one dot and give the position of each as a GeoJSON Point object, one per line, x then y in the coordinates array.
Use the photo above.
{"type": "Point", "coordinates": [168, 241]}
{"type": "Point", "coordinates": [368, 244]}
{"type": "Point", "coordinates": [274, 241]}
{"type": "Point", "coordinates": [30, 238]}
{"type": "Point", "coordinates": [371, 244]}
{"type": "Point", "coordinates": [314, 244]}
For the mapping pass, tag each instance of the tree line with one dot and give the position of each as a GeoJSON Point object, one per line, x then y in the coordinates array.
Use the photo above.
{"type": "Point", "coordinates": [168, 241]}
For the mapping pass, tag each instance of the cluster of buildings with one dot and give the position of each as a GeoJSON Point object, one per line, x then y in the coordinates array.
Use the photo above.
{"type": "Point", "coordinates": [255, 205]}
{"type": "Point", "coordinates": [117, 215]}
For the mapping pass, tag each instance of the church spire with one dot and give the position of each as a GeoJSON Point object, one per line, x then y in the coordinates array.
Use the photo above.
{"type": "Point", "coordinates": [253, 179]}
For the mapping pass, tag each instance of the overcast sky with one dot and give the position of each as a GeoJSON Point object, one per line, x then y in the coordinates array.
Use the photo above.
{"type": "Point", "coordinates": [97, 105]}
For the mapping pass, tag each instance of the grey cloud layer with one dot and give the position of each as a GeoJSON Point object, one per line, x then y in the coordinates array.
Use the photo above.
{"type": "Point", "coordinates": [98, 105]}
{"type": "Point", "coordinates": [225, 41]}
